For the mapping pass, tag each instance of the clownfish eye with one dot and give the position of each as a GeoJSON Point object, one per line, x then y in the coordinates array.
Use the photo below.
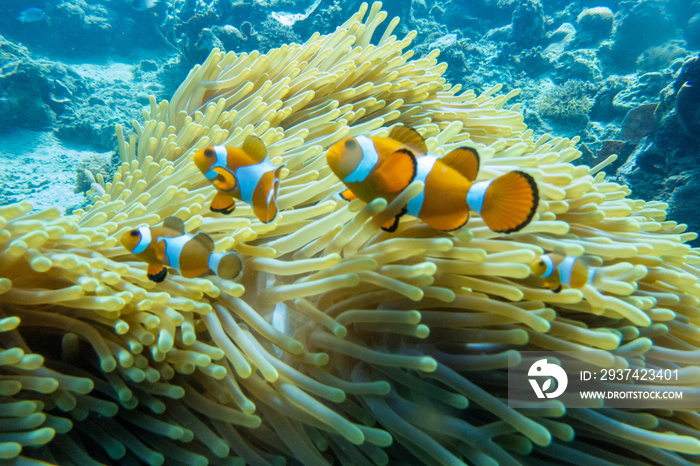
{"type": "Point", "coordinates": [209, 152]}
{"type": "Point", "coordinates": [540, 262]}
{"type": "Point", "coordinates": [350, 144]}
{"type": "Point", "coordinates": [134, 233]}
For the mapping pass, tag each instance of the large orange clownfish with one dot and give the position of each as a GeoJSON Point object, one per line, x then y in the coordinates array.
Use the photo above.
{"type": "Point", "coordinates": [560, 269]}
{"type": "Point", "coordinates": [506, 203]}
{"type": "Point", "coordinates": [373, 167]}
{"type": "Point", "coordinates": [245, 174]}
{"type": "Point", "coordinates": [169, 246]}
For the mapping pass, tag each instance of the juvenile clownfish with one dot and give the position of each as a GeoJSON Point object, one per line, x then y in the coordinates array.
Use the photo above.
{"type": "Point", "coordinates": [560, 269]}
{"type": "Point", "coordinates": [245, 174]}
{"type": "Point", "coordinates": [506, 203]}
{"type": "Point", "coordinates": [169, 246]}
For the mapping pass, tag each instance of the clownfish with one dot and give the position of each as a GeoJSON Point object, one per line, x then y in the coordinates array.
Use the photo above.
{"type": "Point", "coordinates": [169, 246]}
{"type": "Point", "coordinates": [561, 269]}
{"type": "Point", "coordinates": [245, 174]}
{"type": "Point", "coordinates": [373, 167]}
{"type": "Point", "coordinates": [506, 203]}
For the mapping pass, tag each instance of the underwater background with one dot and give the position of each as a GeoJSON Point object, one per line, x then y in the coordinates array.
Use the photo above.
{"type": "Point", "coordinates": [126, 370]}
{"type": "Point", "coordinates": [69, 76]}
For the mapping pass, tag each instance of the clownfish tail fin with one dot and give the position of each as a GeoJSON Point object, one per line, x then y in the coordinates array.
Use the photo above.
{"type": "Point", "coordinates": [508, 203]}
{"type": "Point", "coordinates": [226, 265]}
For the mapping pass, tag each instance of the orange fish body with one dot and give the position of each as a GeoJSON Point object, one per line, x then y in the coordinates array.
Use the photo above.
{"type": "Point", "coordinates": [169, 246]}
{"type": "Point", "coordinates": [562, 270]}
{"type": "Point", "coordinates": [506, 203]}
{"type": "Point", "coordinates": [373, 167]}
{"type": "Point", "coordinates": [244, 174]}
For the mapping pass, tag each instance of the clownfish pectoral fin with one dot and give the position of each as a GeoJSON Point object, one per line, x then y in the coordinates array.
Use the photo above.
{"type": "Point", "coordinates": [159, 247]}
{"type": "Point", "coordinates": [409, 136]}
{"type": "Point", "coordinates": [265, 196]}
{"type": "Point", "coordinates": [393, 224]}
{"type": "Point", "coordinates": [508, 203]}
{"type": "Point", "coordinates": [157, 272]}
{"type": "Point", "coordinates": [347, 195]}
{"type": "Point", "coordinates": [205, 240]}
{"type": "Point", "coordinates": [174, 223]}
{"type": "Point", "coordinates": [465, 160]}
{"type": "Point", "coordinates": [222, 203]}
{"type": "Point", "coordinates": [254, 147]}
{"type": "Point", "coordinates": [224, 180]}
{"type": "Point", "coordinates": [396, 172]}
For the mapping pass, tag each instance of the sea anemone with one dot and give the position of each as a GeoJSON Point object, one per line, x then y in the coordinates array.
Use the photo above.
{"type": "Point", "coordinates": [341, 342]}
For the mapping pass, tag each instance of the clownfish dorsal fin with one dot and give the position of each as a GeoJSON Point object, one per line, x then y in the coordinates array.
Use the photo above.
{"type": "Point", "coordinates": [465, 160]}
{"type": "Point", "coordinates": [409, 136]}
{"type": "Point", "coordinates": [205, 240]}
{"type": "Point", "coordinates": [174, 223]}
{"type": "Point", "coordinates": [254, 147]}
{"type": "Point", "coordinates": [396, 172]}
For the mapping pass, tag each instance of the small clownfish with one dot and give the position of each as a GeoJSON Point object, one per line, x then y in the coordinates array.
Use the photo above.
{"type": "Point", "coordinates": [506, 203]}
{"type": "Point", "coordinates": [169, 246]}
{"type": "Point", "coordinates": [561, 269]}
{"type": "Point", "coordinates": [245, 174]}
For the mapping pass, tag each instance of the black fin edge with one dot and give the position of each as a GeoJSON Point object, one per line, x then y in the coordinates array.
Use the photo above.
{"type": "Point", "coordinates": [413, 159]}
{"type": "Point", "coordinates": [222, 211]}
{"type": "Point", "coordinates": [160, 276]}
{"type": "Point", "coordinates": [395, 225]}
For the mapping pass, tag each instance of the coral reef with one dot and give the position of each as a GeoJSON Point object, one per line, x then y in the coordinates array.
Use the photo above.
{"type": "Point", "coordinates": [597, 22]}
{"type": "Point", "coordinates": [341, 341]}
{"type": "Point", "coordinates": [79, 102]}
{"type": "Point", "coordinates": [38, 166]}
{"type": "Point", "coordinates": [649, 16]}
{"type": "Point", "coordinates": [528, 23]}
{"type": "Point", "coordinates": [569, 102]}
{"type": "Point", "coordinates": [83, 28]}
{"type": "Point", "coordinates": [664, 166]}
